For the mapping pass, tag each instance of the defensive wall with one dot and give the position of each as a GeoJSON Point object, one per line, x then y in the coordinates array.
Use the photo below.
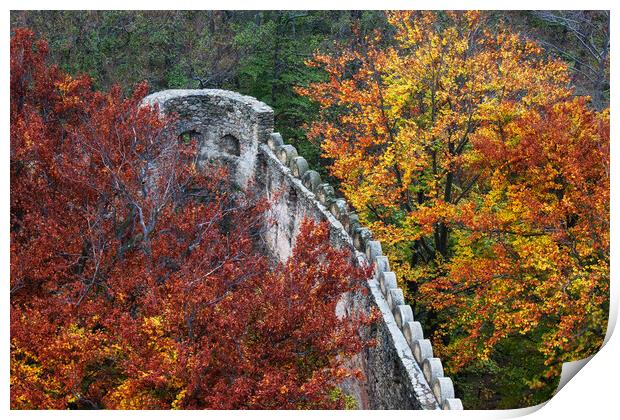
{"type": "Point", "coordinates": [401, 371]}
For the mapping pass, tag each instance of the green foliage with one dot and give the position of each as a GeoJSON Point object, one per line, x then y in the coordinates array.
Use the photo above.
{"type": "Point", "coordinates": [263, 54]}
{"type": "Point", "coordinates": [336, 394]}
{"type": "Point", "coordinates": [273, 51]}
{"type": "Point", "coordinates": [501, 381]}
{"type": "Point", "coordinates": [257, 53]}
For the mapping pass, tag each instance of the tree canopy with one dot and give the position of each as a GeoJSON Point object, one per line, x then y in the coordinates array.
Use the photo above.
{"type": "Point", "coordinates": [136, 282]}
{"type": "Point", "coordinates": [475, 145]}
{"type": "Point", "coordinates": [463, 149]}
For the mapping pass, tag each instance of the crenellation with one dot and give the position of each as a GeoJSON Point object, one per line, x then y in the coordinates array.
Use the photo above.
{"type": "Point", "coordinates": [395, 298]}
{"type": "Point", "coordinates": [351, 222]}
{"type": "Point", "coordinates": [403, 314]}
{"type": "Point", "coordinates": [311, 180]}
{"type": "Point", "coordinates": [275, 141]}
{"type": "Point", "coordinates": [299, 166]}
{"type": "Point", "coordinates": [373, 250]}
{"type": "Point", "coordinates": [361, 236]}
{"type": "Point", "coordinates": [452, 404]}
{"type": "Point", "coordinates": [422, 350]}
{"type": "Point", "coordinates": [412, 331]}
{"type": "Point", "coordinates": [325, 194]}
{"type": "Point", "coordinates": [443, 389]}
{"type": "Point", "coordinates": [286, 153]}
{"type": "Point", "coordinates": [235, 130]}
{"type": "Point", "coordinates": [339, 208]}
{"type": "Point", "coordinates": [381, 264]}
{"type": "Point", "coordinates": [387, 281]}
{"type": "Point", "coordinates": [432, 369]}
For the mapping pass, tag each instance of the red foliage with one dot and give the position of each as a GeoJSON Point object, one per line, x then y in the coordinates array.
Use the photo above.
{"type": "Point", "coordinates": [128, 291]}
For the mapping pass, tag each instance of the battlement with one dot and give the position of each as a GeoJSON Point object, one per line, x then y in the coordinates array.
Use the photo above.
{"type": "Point", "coordinates": [401, 371]}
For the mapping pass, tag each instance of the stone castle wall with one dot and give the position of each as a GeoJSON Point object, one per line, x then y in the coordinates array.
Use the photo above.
{"type": "Point", "coordinates": [229, 126]}
{"type": "Point", "coordinates": [237, 131]}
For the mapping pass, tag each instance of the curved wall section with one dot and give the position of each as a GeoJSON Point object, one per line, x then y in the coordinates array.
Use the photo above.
{"type": "Point", "coordinates": [237, 131]}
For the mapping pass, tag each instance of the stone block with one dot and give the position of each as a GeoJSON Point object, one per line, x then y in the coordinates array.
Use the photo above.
{"type": "Point", "coordinates": [299, 166]}
{"type": "Point", "coordinates": [351, 222]}
{"type": "Point", "coordinates": [275, 141]}
{"type": "Point", "coordinates": [286, 153]}
{"type": "Point", "coordinates": [311, 180]}
{"type": "Point", "coordinates": [339, 208]}
{"type": "Point", "coordinates": [373, 249]}
{"type": "Point", "coordinates": [394, 298]}
{"type": "Point", "coordinates": [432, 369]}
{"type": "Point", "coordinates": [360, 238]}
{"type": "Point", "coordinates": [387, 281]}
{"type": "Point", "coordinates": [325, 193]}
{"type": "Point", "coordinates": [422, 350]}
{"type": "Point", "coordinates": [452, 404]}
{"type": "Point", "coordinates": [381, 264]}
{"type": "Point", "coordinates": [412, 331]}
{"type": "Point", "coordinates": [403, 314]}
{"type": "Point", "coordinates": [443, 389]}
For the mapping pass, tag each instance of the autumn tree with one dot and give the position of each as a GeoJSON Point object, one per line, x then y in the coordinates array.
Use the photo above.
{"type": "Point", "coordinates": [531, 254]}
{"type": "Point", "coordinates": [137, 282]}
{"type": "Point", "coordinates": [460, 146]}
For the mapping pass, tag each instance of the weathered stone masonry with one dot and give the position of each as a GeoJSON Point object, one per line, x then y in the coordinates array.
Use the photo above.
{"type": "Point", "coordinates": [237, 131]}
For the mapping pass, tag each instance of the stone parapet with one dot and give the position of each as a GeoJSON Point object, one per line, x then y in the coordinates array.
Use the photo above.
{"type": "Point", "coordinates": [401, 371]}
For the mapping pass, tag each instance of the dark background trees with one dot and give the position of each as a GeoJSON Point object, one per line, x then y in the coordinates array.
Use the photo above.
{"type": "Point", "coordinates": [258, 53]}
{"type": "Point", "coordinates": [263, 54]}
{"type": "Point", "coordinates": [579, 37]}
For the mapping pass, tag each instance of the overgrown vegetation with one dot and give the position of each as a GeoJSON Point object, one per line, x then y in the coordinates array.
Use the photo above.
{"type": "Point", "coordinates": [137, 282]}
{"type": "Point", "coordinates": [457, 137]}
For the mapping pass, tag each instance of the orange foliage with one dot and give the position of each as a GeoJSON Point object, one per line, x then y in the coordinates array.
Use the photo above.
{"type": "Point", "coordinates": [128, 292]}
{"type": "Point", "coordinates": [463, 150]}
